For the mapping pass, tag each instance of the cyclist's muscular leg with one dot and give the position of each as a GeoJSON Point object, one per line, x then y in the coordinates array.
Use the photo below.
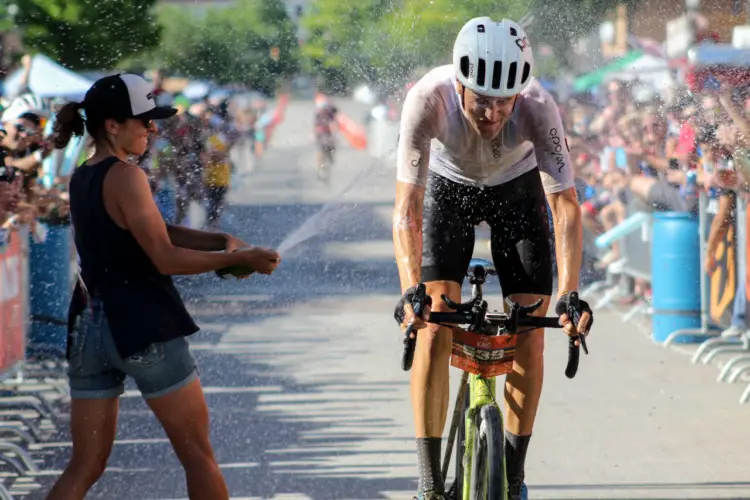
{"type": "Point", "coordinates": [430, 388]}
{"type": "Point", "coordinates": [522, 254]}
{"type": "Point", "coordinates": [523, 386]}
{"type": "Point", "coordinates": [523, 389]}
{"type": "Point", "coordinates": [430, 371]}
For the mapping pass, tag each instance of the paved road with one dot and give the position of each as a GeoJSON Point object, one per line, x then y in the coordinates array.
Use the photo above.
{"type": "Point", "coordinates": [307, 399]}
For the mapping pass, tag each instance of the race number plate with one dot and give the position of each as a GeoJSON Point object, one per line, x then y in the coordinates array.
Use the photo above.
{"type": "Point", "coordinates": [483, 355]}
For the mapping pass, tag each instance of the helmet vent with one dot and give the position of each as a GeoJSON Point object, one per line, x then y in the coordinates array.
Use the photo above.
{"type": "Point", "coordinates": [480, 28]}
{"type": "Point", "coordinates": [526, 71]}
{"type": "Point", "coordinates": [513, 31]}
{"type": "Point", "coordinates": [497, 71]}
{"type": "Point", "coordinates": [481, 72]}
{"type": "Point", "coordinates": [512, 75]}
{"type": "Point", "coordinates": [464, 63]}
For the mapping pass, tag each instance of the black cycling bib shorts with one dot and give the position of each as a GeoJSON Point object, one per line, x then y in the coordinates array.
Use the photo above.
{"type": "Point", "coordinates": [516, 212]}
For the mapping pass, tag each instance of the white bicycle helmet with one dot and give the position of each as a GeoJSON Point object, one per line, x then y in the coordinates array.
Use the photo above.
{"type": "Point", "coordinates": [26, 103]}
{"type": "Point", "coordinates": [493, 58]}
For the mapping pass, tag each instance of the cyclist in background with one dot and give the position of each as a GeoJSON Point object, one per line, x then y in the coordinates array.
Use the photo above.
{"type": "Point", "coordinates": [218, 170]}
{"type": "Point", "coordinates": [481, 140]}
{"type": "Point", "coordinates": [186, 138]}
{"type": "Point", "coordinates": [325, 117]}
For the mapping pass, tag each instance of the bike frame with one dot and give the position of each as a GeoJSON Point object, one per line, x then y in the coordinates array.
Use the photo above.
{"type": "Point", "coordinates": [482, 392]}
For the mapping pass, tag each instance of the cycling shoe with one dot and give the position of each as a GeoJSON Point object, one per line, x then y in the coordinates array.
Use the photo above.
{"type": "Point", "coordinates": [517, 490]}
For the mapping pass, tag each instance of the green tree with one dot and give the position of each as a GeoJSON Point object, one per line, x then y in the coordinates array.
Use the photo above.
{"type": "Point", "coordinates": [88, 34]}
{"type": "Point", "coordinates": [230, 45]}
{"type": "Point", "coordinates": [561, 22]}
{"type": "Point", "coordinates": [337, 37]}
{"type": "Point", "coordinates": [384, 41]}
{"type": "Point", "coordinates": [5, 19]}
{"type": "Point", "coordinates": [425, 31]}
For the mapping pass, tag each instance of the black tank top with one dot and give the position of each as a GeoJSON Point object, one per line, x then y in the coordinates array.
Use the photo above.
{"type": "Point", "coordinates": [142, 305]}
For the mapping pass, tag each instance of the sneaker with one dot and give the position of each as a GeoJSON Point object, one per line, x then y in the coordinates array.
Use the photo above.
{"type": "Point", "coordinates": [733, 332]}
{"type": "Point", "coordinates": [517, 489]}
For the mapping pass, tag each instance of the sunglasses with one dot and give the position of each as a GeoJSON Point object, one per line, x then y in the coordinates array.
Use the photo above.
{"type": "Point", "coordinates": [21, 128]}
{"type": "Point", "coordinates": [146, 123]}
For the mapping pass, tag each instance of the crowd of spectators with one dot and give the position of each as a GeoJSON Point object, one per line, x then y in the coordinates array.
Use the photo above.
{"type": "Point", "coordinates": [635, 152]}
{"type": "Point", "coordinates": [188, 159]}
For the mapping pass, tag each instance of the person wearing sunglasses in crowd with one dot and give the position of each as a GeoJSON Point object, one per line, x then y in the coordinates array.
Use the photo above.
{"type": "Point", "coordinates": [23, 139]}
{"type": "Point", "coordinates": [24, 149]}
{"type": "Point", "coordinates": [126, 317]}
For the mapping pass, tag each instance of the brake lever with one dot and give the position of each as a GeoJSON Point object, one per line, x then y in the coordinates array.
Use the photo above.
{"type": "Point", "coordinates": [410, 343]}
{"type": "Point", "coordinates": [524, 310]}
{"type": "Point", "coordinates": [575, 319]}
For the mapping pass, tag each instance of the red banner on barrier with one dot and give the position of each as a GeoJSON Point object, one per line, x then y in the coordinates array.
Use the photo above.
{"type": "Point", "coordinates": [13, 303]}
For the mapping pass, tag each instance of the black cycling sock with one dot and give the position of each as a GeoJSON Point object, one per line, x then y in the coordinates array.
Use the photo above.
{"type": "Point", "coordinates": [515, 454]}
{"type": "Point", "coordinates": [428, 458]}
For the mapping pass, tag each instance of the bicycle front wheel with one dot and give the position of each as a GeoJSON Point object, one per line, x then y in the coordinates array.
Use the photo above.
{"type": "Point", "coordinates": [488, 460]}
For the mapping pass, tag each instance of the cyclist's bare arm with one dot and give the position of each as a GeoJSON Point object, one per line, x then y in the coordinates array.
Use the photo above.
{"type": "Point", "coordinates": [566, 216]}
{"type": "Point", "coordinates": [407, 232]}
{"type": "Point", "coordinates": [553, 157]}
{"type": "Point", "coordinates": [418, 122]}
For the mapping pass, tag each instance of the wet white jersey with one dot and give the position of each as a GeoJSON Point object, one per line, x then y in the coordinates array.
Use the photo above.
{"type": "Point", "coordinates": [435, 135]}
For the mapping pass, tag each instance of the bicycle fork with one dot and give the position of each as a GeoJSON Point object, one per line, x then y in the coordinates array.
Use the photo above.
{"type": "Point", "coordinates": [482, 393]}
{"type": "Point", "coordinates": [458, 410]}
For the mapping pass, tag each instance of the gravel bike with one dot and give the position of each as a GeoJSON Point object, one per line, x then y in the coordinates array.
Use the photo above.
{"type": "Point", "coordinates": [484, 350]}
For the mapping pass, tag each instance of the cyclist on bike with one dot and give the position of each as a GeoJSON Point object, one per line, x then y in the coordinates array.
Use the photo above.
{"type": "Point", "coordinates": [325, 117]}
{"type": "Point", "coordinates": [481, 140]}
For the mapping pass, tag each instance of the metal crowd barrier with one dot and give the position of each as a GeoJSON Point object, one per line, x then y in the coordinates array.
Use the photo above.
{"type": "Point", "coordinates": [718, 292]}
{"type": "Point", "coordinates": [738, 349]}
{"type": "Point", "coordinates": [633, 236]}
{"type": "Point", "coordinates": [734, 250]}
{"type": "Point", "coordinates": [33, 393]}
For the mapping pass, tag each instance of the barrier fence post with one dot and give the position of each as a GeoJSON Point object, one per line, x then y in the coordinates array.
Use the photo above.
{"type": "Point", "coordinates": [742, 247]}
{"type": "Point", "coordinates": [703, 239]}
{"type": "Point", "coordinates": [742, 240]}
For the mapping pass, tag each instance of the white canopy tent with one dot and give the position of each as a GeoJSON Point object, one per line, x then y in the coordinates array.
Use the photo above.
{"type": "Point", "coordinates": [48, 79]}
{"type": "Point", "coordinates": [648, 69]}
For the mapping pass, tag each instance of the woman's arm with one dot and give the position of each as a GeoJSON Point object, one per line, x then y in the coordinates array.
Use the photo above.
{"type": "Point", "coordinates": [193, 239]}
{"type": "Point", "coordinates": [126, 187]}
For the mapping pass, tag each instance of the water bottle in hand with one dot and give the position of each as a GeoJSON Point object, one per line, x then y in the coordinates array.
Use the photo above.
{"type": "Point", "coordinates": [252, 260]}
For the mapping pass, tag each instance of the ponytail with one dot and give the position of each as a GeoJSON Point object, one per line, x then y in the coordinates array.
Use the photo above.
{"type": "Point", "coordinates": [69, 123]}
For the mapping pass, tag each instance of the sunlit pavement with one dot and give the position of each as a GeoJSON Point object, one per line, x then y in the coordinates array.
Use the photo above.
{"type": "Point", "coordinates": [308, 400]}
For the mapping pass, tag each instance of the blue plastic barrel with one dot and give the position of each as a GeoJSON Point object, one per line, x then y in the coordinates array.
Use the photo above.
{"type": "Point", "coordinates": [50, 291]}
{"type": "Point", "coordinates": [675, 269]}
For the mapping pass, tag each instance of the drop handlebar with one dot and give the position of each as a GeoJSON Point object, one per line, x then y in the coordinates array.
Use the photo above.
{"type": "Point", "coordinates": [475, 314]}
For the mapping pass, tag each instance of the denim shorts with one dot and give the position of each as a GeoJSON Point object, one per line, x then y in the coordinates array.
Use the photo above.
{"type": "Point", "coordinates": [97, 371]}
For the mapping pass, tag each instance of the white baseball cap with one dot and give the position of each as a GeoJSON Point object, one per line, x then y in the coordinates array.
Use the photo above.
{"type": "Point", "coordinates": [124, 96]}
